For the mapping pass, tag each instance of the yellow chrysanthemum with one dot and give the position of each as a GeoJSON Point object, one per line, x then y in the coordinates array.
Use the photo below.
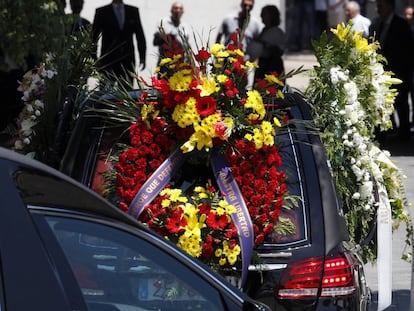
{"type": "Point", "coordinates": [216, 48]}
{"type": "Point", "coordinates": [222, 261]}
{"type": "Point", "coordinates": [186, 114]}
{"type": "Point", "coordinates": [255, 102]}
{"type": "Point", "coordinates": [221, 78]}
{"type": "Point", "coordinates": [227, 208]}
{"type": "Point", "coordinates": [181, 80]}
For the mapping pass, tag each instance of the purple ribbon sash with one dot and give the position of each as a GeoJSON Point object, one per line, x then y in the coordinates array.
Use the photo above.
{"type": "Point", "coordinates": [241, 218]}
{"type": "Point", "coordinates": [228, 186]}
{"type": "Point", "coordinates": [156, 182]}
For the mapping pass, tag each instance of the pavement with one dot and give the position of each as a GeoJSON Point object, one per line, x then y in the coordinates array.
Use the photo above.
{"type": "Point", "coordinates": [403, 155]}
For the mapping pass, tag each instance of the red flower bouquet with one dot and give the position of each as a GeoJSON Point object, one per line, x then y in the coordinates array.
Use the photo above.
{"type": "Point", "coordinates": [201, 166]}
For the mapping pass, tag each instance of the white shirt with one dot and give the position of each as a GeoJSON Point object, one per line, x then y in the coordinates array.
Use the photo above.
{"type": "Point", "coordinates": [361, 23]}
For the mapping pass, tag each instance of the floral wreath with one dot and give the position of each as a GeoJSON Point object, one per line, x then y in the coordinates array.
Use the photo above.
{"type": "Point", "coordinates": [201, 166]}
{"type": "Point", "coordinates": [353, 99]}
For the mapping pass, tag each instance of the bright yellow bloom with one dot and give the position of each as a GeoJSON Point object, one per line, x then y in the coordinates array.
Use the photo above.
{"type": "Point", "coordinates": [191, 245]}
{"type": "Point", "coordinates": [273, 79]}
{"type": "Point", "coordinates": [227, 208]}
{"type": "Point", "coordinates": [147, 110]}
{"type": "Point", "coordinates": [186, 114]}
{"type": "Point", "coordinates": [221, 78]}
{"type": "Point", "coordinates": [216, 48]}
{"type": "Point", "coordinates": [165, 61]}
{"type": "Point", "coordinates": [255, 102]}
{"type": "Point", "coordinates": [208, 86]}
{"type": "Point", "coordinates": [361, 43]}
{"type": "Point", "coordinates": [180, 81]}
{"type": "Point", "coordinates": [277, 122]}
{"type": "Point", "coordinates": [251, 65]}
{"type": "Point", "coordinates": [166, 203]}
{"type": "Point", "coordinates": [341, 32]}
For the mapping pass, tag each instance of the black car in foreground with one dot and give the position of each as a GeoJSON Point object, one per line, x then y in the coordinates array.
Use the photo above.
{"type": "Point", "coordinates": [63, 247]}
{"type": "Point", "coordinates": [314, 268]}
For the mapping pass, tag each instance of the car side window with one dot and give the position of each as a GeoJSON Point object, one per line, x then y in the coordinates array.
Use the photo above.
{"type": "Point", "coordinates": [117, 270]}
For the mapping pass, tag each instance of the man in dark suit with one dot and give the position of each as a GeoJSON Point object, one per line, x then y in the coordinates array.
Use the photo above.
{"type": "Point", "coordinates": [397, 45]}
{"type": "Point", "coordinates": [116, 24]}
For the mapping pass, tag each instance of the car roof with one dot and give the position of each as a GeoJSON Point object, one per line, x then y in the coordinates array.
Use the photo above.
{"type": "Point", "coordinates": [95, 205]}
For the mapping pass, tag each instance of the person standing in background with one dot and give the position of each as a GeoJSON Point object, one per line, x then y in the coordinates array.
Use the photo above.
{"type": "Point", "coordinates": [336, 12]}
{"type": "Point", "coordinates": [409, 16]}
{"type": "Point", "coordinates": [77, 21]}
{"type": "Point", "coordinates": [272, 41]}
{"type": "Point", "coordinates": [353, 15]}
{"type": "Point", "coordinates": [236, 22]}
{"type": "Point", "coordinates": [303, 28]}
{"type": "Point", "coordinates": [397, 46]}
{"type": "Point", "coordinates": [116, 24]}
{"type": "Point", "coordinates": [173, 30]}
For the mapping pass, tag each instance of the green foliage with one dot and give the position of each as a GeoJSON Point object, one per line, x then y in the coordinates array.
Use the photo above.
{"type": "Point", "coordinates": [30, 28]}
{"type": "Point", "coordinates": [353, 98]}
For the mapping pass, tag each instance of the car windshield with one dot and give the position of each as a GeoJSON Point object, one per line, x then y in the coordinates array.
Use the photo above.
{"type": "Point", "coordinates": [119, 271]}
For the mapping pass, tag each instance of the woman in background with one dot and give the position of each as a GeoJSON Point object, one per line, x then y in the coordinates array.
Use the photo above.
{"type": "Point", "coordinates": [270, 45]}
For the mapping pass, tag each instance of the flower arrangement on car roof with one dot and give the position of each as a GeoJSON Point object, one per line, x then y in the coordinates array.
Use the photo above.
{"type": "Point", "coordinates": [353, 99]}
{"type": "Point", "coordinates": [201, 166]}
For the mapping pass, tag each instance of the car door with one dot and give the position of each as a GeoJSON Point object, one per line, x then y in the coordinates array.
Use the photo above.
{"type": "Point", "coordinates": [63, 247]}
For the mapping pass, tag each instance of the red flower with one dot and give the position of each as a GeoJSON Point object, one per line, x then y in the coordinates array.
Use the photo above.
{"type": "Point", "coordinates": [202, 55]}
{"type": "Point", "coordinates": [216, 222]}
{"type": "Point", "coordinates": [206, 105]}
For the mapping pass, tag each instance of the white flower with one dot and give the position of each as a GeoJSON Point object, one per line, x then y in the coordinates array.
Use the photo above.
{"type": "Point", "coordinates": [18, 144]}
{"type": "Point", "coordinates": [26, 127]}
{"type": "Point", "coordinates": [366, 189]}
{"type": "Point", "coordinates": [337, 75]}
{"type": "Point", "coordinates": [39, 104]}
{"type": "Point", "coordinates": [29, 108]}
{"type": "Point", "coordinates": [351, 91]}
{"type": "Point", "coordinates": [356, 196]}
{"type": "Point", "coordinates": [26, 141]}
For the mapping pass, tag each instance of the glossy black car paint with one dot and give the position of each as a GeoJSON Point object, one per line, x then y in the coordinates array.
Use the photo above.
{"type": "Point", "coordinates": [326, 229]}
{"type": "Point", "coordinates": [34, 274]}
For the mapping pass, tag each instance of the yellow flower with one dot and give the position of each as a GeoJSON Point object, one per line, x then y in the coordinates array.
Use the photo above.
{"type": "Point", "coordinates": [166, 203]}
{"type": "Point", "coordinates": [255, 102]}
{"type": "Point", "coordinates": [165, 61]}
{"type": "Point", "coordinates": [186, 114]}
{"type": "Point", "coordinates": [216, 48]}
{"type": "Point", "coordinates": [222, 261]}
{"type": "Point", "coordinates": [361, 43]}
{"type": "Point", "coordinates": [273, 79]}
{"type": "Point", "coordinates": [146, 111]}
{"type": "Point", "coordinates": [180, 81]}
{"type": "Point", "coordinates": [277, 122]}
{"type": "Point", "coordinates": [341, 32]}
{"type": "Point", "coordinates": [221, 78]}
{"type": "Point", "coordinates": [208, 86]}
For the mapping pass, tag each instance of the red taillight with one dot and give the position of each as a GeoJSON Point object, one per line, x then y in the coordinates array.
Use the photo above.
{"type": "Point", "coordinates": [303, 279]}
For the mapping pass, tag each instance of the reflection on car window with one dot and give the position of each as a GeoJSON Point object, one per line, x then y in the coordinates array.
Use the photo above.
{"type": "Point", "coordinates": [119, 271]}
{"type": "Point", "coordinates": [296, 216]}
